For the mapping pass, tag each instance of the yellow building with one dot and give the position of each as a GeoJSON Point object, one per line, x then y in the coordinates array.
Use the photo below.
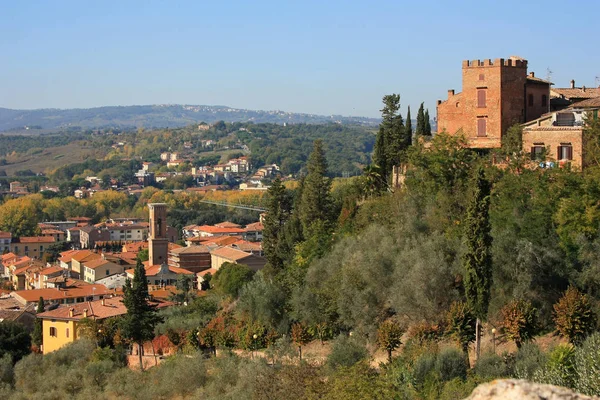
{"type": "Point", "coordinates": [60, 325]}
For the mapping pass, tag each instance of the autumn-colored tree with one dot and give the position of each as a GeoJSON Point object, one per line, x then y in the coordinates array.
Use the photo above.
{"type": "Point", "coordinates": [519, 319]}
{"type": "Point", "coordinates": [300, 336]}
{"type": "Point", "coordinates": [460, 322]}
{"type": "Point", "coordinates": [574, 316]}
{"type": "Point", "coordinates": [389, 336]}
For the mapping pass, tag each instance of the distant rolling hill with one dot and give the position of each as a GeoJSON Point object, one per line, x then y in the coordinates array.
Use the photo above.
{"type": "Point", "coordinates": [157, 116]}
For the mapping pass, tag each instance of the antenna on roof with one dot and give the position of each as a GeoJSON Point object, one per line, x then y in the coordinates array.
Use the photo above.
{"type": "Point", "coordinates": [548, 74]}
{"type": "Point", "coordinates": [597, 81]}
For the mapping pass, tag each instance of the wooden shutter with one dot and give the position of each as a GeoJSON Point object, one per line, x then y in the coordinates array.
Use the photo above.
{"type": "Point", "coordinates": [481, 127]}
{"type": "Point", "coordinates": [481, 98]}
{"type": "Point", "coordinates": [558, 153]}
{"type": "Point", "coordinates": [569, 152]}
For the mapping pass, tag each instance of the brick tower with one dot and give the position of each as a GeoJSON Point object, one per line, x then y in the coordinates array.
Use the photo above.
{"type": "Point", "coordinates": [158, 244]}
{"type": "Point", "coordinates": [493, 99]}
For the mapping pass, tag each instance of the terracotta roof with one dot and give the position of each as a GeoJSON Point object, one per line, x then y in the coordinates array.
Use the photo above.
{"type": "Point", "coordinates": [135, 246]}
{"type": "Point", "coordinates": [230, 253]}
{"type": "Point", "coordinates": [247, 246]}
{"type": "Point", "coordinates": [211, 271]}
{"type": "Point", "coordinates": [5, 235]}
{"type": "Point", "coordinates": [36, 239]}
{"type": "Point", "coordinates": [51, 231]}
{"type": "Point", "coordinates": [93, 264]}
{"type": "Point", "coordinates": [227, 224]}
{"type": "Point", "coordinates": [222, 240]}
{"type": "Point", "coordinates": [256, 226]}
{"type": "Point", "coordinates": [8, 257]}
{"type": "Point", "coordinates": [191, 250]}
{"type": "Point", "coordinates": [154, 270]}
{"type": "Point", "coordinates": [97, 309]}
{"type": "Point", "coordinates": [85, 255]}
{"type": "Point", "coordinates": [52, 270]}
{"type": "Point", "coordinates": [79, 219]}
{"type": "Point", "coordinates": [75, 228]}
{"type": "Point", "coordinates": [21, 261]}
{"type": "Point", "coordinates": [66, 256]}
{"type": "Point", "coordinates": [593, 102]}
{"type": "Point", "coordinates": [553, 128]}
{"type": "Point", "coordinates": [577, 93]}
{"type": "Point", "coordinates": [71, 291]}
{"type": "Point", "coordinates": [538, 80]}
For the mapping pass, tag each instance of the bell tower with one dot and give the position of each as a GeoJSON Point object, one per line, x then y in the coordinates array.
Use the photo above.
{"type": "Point", "coordinates": [158, 243]}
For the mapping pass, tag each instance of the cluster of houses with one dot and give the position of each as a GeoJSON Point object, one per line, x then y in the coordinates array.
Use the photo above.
{"type": "Point", "coordinates": [87, 280]}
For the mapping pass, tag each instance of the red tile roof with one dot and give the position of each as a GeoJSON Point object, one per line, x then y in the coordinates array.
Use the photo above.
{"type": "Point", "coordinates": [216, 229]}
{"type": "Point", "coordinates": [85, 255]}
{"type": "Point", "coordinates": [52, 270]}
{"type": "Point", "coordinates": [98, 309]}
{"type": "Point", "coordinates": [577, 93]}
{"type": "Point", "coordinates": [93, 264]}
{"type": "Point", "coordinates": [230, 254]}
{"type": "Point", "coordinates": [256, 226]}
{"type": "Point", "coordinates": [36, 239]}
{"type": "Point", "coordinates": [66, 256]}
{"type": "Point", "coordinates": [191, 250]}
{"type": "Point", "coordinates": [71, 291]}
{"type": "Point", "coordinates": [5, 235]}
{"type": "Point", "coordinates": [227, 224]}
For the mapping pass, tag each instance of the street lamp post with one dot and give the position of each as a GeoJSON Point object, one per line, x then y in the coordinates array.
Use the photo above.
{"type": "Point", "coordinates": [254, 337]}
{"type": "Point", "coordinates": [494, 339]}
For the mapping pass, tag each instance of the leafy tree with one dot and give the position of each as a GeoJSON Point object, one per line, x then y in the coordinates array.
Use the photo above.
{"type": "Point", "coordinates": [478, 258]}
{"type": "Point", "coordinates": [38, 333]}
{"type": "Point", "coordinates": [460, 321]}
{"type": "Point", "coordinates": [279, 207]}
{"type": "Point", "coordinates": [315, 201]}
{"type": "Point", "coordinates": [574, 316]}
{"type": "Point", "coordinates": [591, 142]}
{"type": "Point", "coordinates": [185, 285]}
{"type": "Point", "coordinates": [14, 340]}
{"type": "Point", "coordinates": [143, 255]}
{"type": "Point", "coordinates": [141, 318]}
{"type": "Point", "coordinates": [519, 321]}
{"type": "Point", "coordinates": [345, 352]}
{"type": "Point", "coordinates": [263, 300]}
{"type": "Point", "coordinates": [300, 336]}
{"type": "Point", "coordinates": [389, 336]}
{"type": "Point", "coordinates": [230, 278]}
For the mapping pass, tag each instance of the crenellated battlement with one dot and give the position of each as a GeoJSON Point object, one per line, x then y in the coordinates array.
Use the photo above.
{"type": "Point", "coordinates": [511, 62]}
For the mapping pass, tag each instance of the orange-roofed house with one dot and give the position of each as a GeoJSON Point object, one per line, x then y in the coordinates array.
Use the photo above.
{"type": "Point", "coordinates": [208, 230]}
{"type": "Point", "coordinates": [81, 257]}
{"type": "Point", "coordinates": [100, 268]}
{"type": "Point", "coordinates": [227, 224]}
{"type": "Point", "coordinates": [57, 234]}
{"type": "Point", "coordinates": [254, 232]}
{"type": "Point", "coordinates": [33, 247]}
{"type": "Point", "coordinates": [49, 273]}
{"type": "Point", "coordinates": [234, 256]}
{"type": "Point", "coordinates": [161, 274]}
{"type": "Point", "coordinates": [70, 292]}
{"type": "Point", "coordinates": [66, 258]}
{"type": "Point", "coordinates": [192, 258]}
{"type": "Point", "coordinates": [60, 325]}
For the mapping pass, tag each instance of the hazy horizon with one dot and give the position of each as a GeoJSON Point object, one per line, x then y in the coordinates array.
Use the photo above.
{"type": "Point", "coordinates": [333, 58]}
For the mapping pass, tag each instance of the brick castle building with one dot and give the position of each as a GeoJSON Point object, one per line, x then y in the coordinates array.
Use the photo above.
{"type": "Point", "coordinates": [500, 93]}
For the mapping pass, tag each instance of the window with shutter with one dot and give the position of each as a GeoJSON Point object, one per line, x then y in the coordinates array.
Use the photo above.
{"type": "Point", "coordinates": [537, 152]}
{"type": "Point", "coordinates": [481, 98]}
{"type": "Point", "coordinates": [565, 152]}
{"type": "Point", "coordinates": [481, 127]}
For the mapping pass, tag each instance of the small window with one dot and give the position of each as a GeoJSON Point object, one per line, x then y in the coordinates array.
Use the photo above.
{"type": "Point", "coordinates": [481, 98]}
{"type": "Point", "coordinates": [538, 152]}
{"type": "Point", "coordinates": [457, 104]}
{"type": "Point", "coordinates": [107, 272]}
{"type": "Point", "coordinates": [565, 152]}
{"type": "Point", "coordinates": [53, 331]}
{"type": "Point", "coordinates": [530, 100]}
{"type": "Point", "coordinates": [481, 77]}
{"type": "Point", "coordinates": [481, 127]}
{"type": "Point", "coordinates": [544, 100]}
{"type": "Point", "coordinates": [67, 332]}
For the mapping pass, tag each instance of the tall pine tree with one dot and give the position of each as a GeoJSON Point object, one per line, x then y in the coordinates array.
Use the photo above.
{"type": "Point", "coordinates": [478, 257]}
{"type": "Point", "coordinates": [38, 333]}
{"type": "Point", "coordinates": [420, 131]}
{"type": "Point", "coordinates": [279, 207]}
{"type": "Point", "coordinates": [141, 318]}
{"type": "Point", "coordinates": [427, 131]}
{"type": "Point", "coordinates": [315, 201]}
{"type": "Point", "coordinates": [408, 127]}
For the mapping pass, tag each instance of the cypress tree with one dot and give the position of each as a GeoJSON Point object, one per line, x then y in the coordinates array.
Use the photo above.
{"type": "Point", "coordinates": [478, 257]}
{"type": "Point", "coordinates": [379, 153]}
{"type": "Point", "coordinates": [278, 213]}
{"type": "Point", "coordinates": [427, 131]}
{"type": "Point", "coordinates": [315, 202]}
{"type": "Point", "coordinates": [408, 127]}
{"type": "Point", "coordinates": [420, 121]}
{"type": "Point", "coordinates": [141, 318]}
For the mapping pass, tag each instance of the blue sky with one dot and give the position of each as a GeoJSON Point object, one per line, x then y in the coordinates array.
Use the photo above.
{"type": "Point", "coordinates": [324, 57]}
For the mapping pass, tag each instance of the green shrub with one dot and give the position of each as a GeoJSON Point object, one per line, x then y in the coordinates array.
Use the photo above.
{"type": "Point", "coordinates": [528, 359]}
{"type": "Point", "coordinates": [345, 352]}
{"type": "Point", "coordinates": [423, 367]}
{"type": "Point", "coordinates": [451, 363]}
{"type": "Point", "coordinates": [457, 389]}
{"type": "Point", "coordinates": [491, 366]}
{"type": "Point", "coordinates": [559, 369]}
{"type": "Point", "coordinates": [6, 370]}
{"type": "Point", "coordinates": [587, 365]}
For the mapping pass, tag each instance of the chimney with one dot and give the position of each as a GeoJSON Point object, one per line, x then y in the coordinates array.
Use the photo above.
{"type": "Point", "coordinates": [450, 93]}
{"type": "Point", "coordinates": [572, 83]}
{"type": "Point", "coordinates": [85, 313]}
{"type": "Point", "coordinates": [71, 312]}
{"type": "Point", "coordinates": [103, 302]}
{"type": "Point", "coordinates": [532, 74]}
{"type": "Point", "coordinates": [583, 88]}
